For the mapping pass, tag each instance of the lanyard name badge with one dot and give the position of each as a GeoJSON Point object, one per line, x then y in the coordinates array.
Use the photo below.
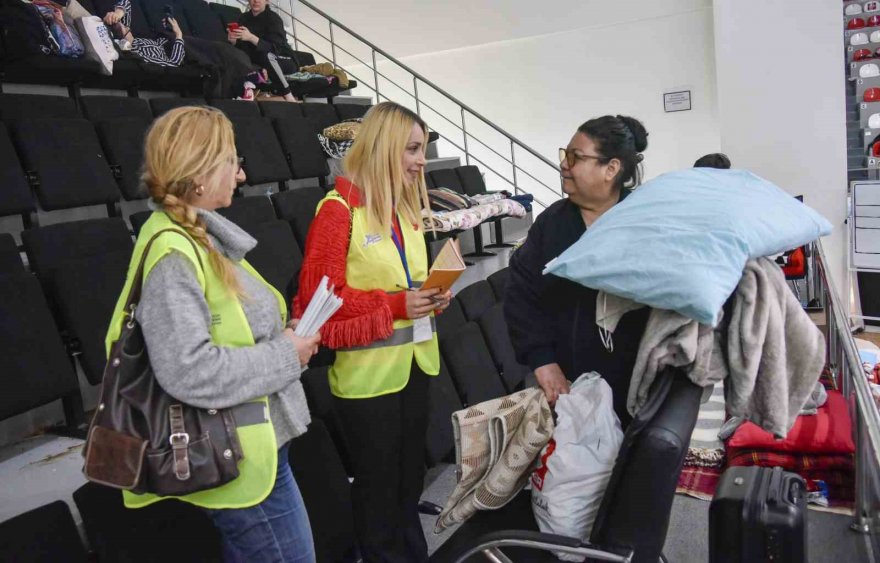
{"type": "Point", "coordinates": [421, 327]}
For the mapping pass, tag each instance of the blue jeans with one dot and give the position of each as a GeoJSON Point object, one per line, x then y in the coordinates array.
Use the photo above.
{"type": "Point", "coordinates": [275, 531]}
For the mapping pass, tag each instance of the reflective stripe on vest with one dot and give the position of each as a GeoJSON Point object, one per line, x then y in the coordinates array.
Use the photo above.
{"type": "Point", "coordinates": [373, 262]}
{"type": "Point", "coordinates": [229, 328]}
{"type": "Point", "coordinates": [399, 336]}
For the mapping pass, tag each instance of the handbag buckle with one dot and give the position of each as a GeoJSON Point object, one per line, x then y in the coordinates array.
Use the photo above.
{"type": "Point", "coordinates": [179, 440]}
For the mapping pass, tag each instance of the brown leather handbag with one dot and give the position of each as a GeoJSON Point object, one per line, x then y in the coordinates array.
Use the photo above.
{"type": "Point", "coordinates": [144, 440]}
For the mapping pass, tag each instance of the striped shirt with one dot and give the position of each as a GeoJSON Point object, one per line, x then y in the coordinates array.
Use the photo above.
{"type": "Point", "coordinates": [161, 51]}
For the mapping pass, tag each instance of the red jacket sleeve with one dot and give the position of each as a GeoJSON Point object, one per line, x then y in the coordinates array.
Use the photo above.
{"type": "Point", "coordinates": [365, 316]}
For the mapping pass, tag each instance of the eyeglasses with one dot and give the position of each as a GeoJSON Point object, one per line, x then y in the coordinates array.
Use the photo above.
{"type": "Point", "coordinates": [240, 161]}
{"type": "Point", "coordinates": [572, 158]}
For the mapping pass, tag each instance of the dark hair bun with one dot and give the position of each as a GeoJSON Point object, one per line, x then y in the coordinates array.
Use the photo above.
{"type": "Point", "coordinates": [640, 134]}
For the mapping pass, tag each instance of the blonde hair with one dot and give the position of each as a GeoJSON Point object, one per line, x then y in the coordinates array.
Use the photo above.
{"type": "Point", "coordinates": [373, 163]}
{"type": "Point", "coordinates": [181, 145]}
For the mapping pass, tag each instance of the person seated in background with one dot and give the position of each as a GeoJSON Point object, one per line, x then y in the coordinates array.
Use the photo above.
{"type": "Point", "coordinates": [552, 321]}
{"type": "Point", "coordinates": [713, 160]}
{"type": "Point", "coordinates": [260, 34]}
{"type": "Point", "coordinates": [161, 51]}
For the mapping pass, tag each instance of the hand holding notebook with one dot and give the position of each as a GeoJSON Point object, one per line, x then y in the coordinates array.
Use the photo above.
{"type": "Point", "coordinates": [448, 266]}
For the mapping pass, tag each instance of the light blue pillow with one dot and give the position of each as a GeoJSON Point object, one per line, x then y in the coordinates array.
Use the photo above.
{"type": "Point", "coordinates": [681, 240]}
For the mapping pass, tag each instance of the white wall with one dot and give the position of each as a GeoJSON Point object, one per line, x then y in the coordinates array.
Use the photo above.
{"type": "Point", "coordinates": [783, 117]}
{"type": "Point", "coordinates": [410, 27]}
{"type": "Point", "coordinates": [540, 89]}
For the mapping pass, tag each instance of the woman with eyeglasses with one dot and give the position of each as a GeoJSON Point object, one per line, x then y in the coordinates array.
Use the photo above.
{"type": "Point", "coordinates": [218, 337]}
{"type": "Point", "coordinates": [552, 321]}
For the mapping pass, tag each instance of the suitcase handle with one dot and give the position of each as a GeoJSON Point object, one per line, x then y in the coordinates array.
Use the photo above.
{"type": "Point", "coordinates": [775, 486]}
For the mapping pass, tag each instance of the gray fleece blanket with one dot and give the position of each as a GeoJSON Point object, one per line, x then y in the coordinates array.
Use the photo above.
{"type": "Point", "coordinates": [771, 352]}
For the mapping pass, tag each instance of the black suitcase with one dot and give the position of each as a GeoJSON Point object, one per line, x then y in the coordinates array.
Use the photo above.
{"type": "Point", "coordinates": [758, 514]}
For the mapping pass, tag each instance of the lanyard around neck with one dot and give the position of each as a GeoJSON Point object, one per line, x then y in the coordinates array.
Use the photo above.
{"type": "Point", "coordinates": [402, 253]}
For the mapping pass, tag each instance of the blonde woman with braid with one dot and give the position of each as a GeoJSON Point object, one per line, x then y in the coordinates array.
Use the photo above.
{"type": "Point", "coordinates": [367, 238]}
{"type": "Point", "coordinates": [216, 335]}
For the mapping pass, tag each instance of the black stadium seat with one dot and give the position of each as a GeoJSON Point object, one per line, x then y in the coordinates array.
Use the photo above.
{"type": "Point", "coordinates": [471, 366]}
{"type": "Point", "coordinates": [138, 219]}
{"type": "Point", "coordinates": [10, 260]}
{"type": "Point", "coordinates": [476, 299]}
{"type": "Point", "coordinates": [498, 281]}
{"type": "Point", "coordinates": [123, 142]}
{"type": "Point", "coordinates": [238, 108]}
{"type": "Point", "coordinates": [277, 256]}
{"type": "Point", "coordinates": [443, 400]}
{"type": "Point", "coordinates": [451, 319]}
{"type": "Point", "coordinates": [473, 184]}
{"type": "Point", "coordinates": [227, 14]}
{"type": "Point", "coordinates": [249, 212]}
{"type": "Point", "coordinates": [102, 108]}
{"type": "Point", "coordinates": [34, 366]}
{"type": "Point", "coordinates": [304, 154]}
{"type": "Point", "coordinates": [15, 193]}
{"type": "Point", "coordinates": [65, 160]}
{"type": "Point", "coordinates": [298, 207]}
{"type": "Point", "coordinates": [182, 532]}
{"type": "Point", "coordinates": [154, 12]}
{"type": "Point", "coordinates": [494, 329]}
{"type": "Point", "coordinates": [471, 180]}
{"type": "Point", "coordinates": [46, 534]}
{"type": "Point", "coordinates": [320, 116]}
{"type": "Point", "coordinates": [326, 492]}
{"type": "Point", "coordinates": [264, 161]}
{"type": "Point", "coordinates": [204, 23]}
{"type": "Point", "coordinates": [162, 105]}
{"type": "Point", "coordinates": [76, 259]}
{"type": "Point", "coordinates": [280, 110]}
{"type": "Point", "coordinates": [447, 178]}
{"type": "Point", "coordinates": [321, 405]}
{"type": "Point", "coordinates": [350, 111]}
{"type": "Point", "coordinates": [31, 106]}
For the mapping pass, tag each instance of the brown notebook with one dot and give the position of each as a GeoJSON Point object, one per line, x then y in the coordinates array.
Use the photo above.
{"type": "Point", "coordinates": [447, 267]}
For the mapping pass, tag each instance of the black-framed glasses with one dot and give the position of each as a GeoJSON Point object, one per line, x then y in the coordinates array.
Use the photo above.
{"type": "Point", "coordinates": [240, 161]}
{"type": "Point", "coordinates": [572, 158]}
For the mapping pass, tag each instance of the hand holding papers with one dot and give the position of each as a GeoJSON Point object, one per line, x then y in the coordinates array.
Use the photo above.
{"type": "Point", "coordinates": [323, 305]}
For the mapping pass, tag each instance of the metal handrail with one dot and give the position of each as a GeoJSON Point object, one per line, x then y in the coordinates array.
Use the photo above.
{"type": "Point", "coordinates": [845, 363]}
{"type": "Point", "coordinates": [463, 108]}
{"type": "Point", "coordinates": [426, 81]}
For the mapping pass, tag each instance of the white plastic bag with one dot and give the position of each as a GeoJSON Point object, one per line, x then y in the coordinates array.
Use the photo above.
{"type": "Point", "coordinates": [568, 485]}
{"type": "Point", "coordinates": [97, 42]}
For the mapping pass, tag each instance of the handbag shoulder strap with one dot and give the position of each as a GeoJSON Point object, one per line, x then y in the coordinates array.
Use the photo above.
{"type": "Point", "coordinates": [134, 294]}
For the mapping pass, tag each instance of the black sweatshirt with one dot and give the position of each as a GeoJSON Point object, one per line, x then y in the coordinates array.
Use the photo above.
{"type": "Point", "coordinates": [267, 25]}
{"type": "Point", "coordinates": [553, 320]}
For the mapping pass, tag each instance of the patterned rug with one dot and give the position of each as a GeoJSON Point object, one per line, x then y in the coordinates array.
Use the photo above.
{"type": "Point", "coordinates": [705, 456]}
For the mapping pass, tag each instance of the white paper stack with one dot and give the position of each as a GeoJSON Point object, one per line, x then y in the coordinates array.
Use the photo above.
{"type": "Point", "coordinates": [323, 305]}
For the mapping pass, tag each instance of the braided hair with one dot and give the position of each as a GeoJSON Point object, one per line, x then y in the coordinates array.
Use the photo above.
{"type": "Point", "coordinates": [181, 145]}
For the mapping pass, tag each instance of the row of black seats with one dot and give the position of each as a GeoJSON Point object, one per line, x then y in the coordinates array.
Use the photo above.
{"type": "Point", "coordinates": [80, 267]}
{"type": "Point", "coordinates": [197, 18]}
{"type": "Point", "coordinates": [78, 156]}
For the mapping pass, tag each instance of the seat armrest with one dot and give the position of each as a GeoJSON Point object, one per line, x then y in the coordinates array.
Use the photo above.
{"type": "Point", "coordinates": [492, 541]}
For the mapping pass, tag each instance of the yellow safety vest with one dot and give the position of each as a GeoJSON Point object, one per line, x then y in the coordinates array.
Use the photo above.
{"type": "Point", "coordinates": [373, 262]}
{"type": "Point", "coordinates": [230, 328]}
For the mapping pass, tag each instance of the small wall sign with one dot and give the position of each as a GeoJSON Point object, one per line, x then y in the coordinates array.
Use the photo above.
{"type": "Point", "coordinates": [677, 101]}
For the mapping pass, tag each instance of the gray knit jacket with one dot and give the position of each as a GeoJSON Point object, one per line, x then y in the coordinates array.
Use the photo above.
{"type": "Point", "coordinates": [176, 323]}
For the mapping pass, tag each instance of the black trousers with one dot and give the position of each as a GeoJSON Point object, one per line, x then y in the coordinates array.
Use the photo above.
{"type": "Point", "coordinates": [386, 441]}
{"type": "Point", "coordinates": [277, 66]}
